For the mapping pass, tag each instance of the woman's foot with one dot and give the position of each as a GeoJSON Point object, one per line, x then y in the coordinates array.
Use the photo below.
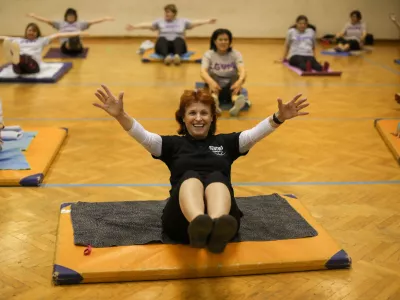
{"type": "Point", "coordinates": [7, 50]}
{"type": "Point", "coordinates": [168, 60]}
{"type": "Point", "coordinates": [325, 67]}
{"type": "Point", "coordinates": [199, 230]}
{"type": "Point", "coordinates": [11, 52]}
{"type": "Point", "coordinates": [308, 66]}
{"type": "Point", "coordinates": [15, 53]}
{"type": "Point", "coordinates": [240, 102]}
{"type": "Point", "coordinates": [177, 59]}
{"type": "Point", "coordinates": [224, 230]}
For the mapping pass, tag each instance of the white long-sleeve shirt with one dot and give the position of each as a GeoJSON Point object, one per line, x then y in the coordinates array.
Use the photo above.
{"type": "Point", "coordinates": [152, 142]}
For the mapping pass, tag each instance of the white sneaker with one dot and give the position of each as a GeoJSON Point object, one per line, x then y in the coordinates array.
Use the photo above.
{"type": "Point", "coordinates": [216, 100]}
{"type": "Point", "coordinates": [168, 60]}
{"type": "Point", "coordinates": [177, 59]}
{"type": "Point", "coordinates": [237, 106]}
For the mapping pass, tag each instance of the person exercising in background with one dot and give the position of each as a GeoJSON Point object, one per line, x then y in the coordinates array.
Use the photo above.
{"type": "Point", "coordinates": [300, 47]}
{"type": "Point", "coordinates": [353, 35]}
{"type": "Point", "coordinates": [25, 53]}
{"type": "Point", "coordinates": [73, 45]}
{"type": "Point", "coordinates": [171, 42]}
{"type": "Point", "coordinates": [222, 69]}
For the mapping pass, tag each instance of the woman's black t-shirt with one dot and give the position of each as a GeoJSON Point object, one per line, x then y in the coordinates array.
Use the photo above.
{"type": "Point", "coordinates": [184, 153]}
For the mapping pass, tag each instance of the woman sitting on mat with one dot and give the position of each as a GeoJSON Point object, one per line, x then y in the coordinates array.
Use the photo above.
{"type": "Point", "coordinates": [352, 37]}
{"type": "Point", "coordinates": [300, 47]}
{"type": "Point", "coordinates": [171, 34]}
{"type": "Point", "coordinates": [70, 46]}
{"type": "Point", "coordinates": [201, 209]}
{"type": "Point", "coordinates": [222, 69]}
{"type": "Point", "coordinates": [25, 54]}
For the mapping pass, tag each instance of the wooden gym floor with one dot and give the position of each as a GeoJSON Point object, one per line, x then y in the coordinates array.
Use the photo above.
{"type": "Point", "coordinates": [333, 160]}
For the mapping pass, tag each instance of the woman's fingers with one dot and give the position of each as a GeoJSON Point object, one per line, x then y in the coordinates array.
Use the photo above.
{"type": "Point", "coordinates": [121, 96]}
{"type": "Point", "coordinates": [301, 101]}
{"type": "Point", "coordinates": [109, 94]}
{"type": "Point", "coordinates": [102, 94]}
{"type": "Point", "coordinates": [303, 113]}
{"type": "Point", "coordinates": [295, 98]}
{"type": "Point", "coordinates": [100, 97]}
{"type": "Point", "coordinates": [99, 106]}
{"type": "Point", "coordinates": [300, 107]}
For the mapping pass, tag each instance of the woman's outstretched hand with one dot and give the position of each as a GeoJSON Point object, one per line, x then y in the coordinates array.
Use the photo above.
{"type": "Point", "coordinates": [292, 108]}
{"type": "Point", "coordinates": [112, 105]}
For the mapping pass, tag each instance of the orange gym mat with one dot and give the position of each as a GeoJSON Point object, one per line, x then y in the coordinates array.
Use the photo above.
{"type": "Point", "coordinates": [40, 154]}
{"type": "Point", "coordinates": [162, 261]}
{"type": "Point", "coordinates": [388, 130]}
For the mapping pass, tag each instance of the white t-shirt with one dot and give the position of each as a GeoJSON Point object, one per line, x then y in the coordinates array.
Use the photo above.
{"type": "Point", "coordinates": [223, 68]}
{"type": "Point", "coordinates": [300, 43]}
{"type": "Point", "coordinates": [64, 26]}
{"type": "Point", "coordinates": [354, 31]}
{"type": "Point", "coordinates": [32, 48]}
{"type": "Point", "coordinates": [173, 29]}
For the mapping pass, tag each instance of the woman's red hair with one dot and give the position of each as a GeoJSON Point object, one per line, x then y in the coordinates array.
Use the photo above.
{"type": "Point", "coordinates": [193, 96]}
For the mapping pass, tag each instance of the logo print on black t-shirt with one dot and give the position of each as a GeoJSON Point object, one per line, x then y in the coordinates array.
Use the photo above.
{"type": "Point", "coordinates": [217, 150]}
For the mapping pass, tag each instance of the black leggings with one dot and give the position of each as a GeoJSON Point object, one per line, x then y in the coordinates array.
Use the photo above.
{"type": "Point", "coordinates": [75, 46]}
{"type": "Point", "coordinates": [225, 94]}
{"type": "Point", "coordinates": [26, 65]}
{"type": "Point", "coordinates": [300, 62]}
{"type": "Point", "coordinates": [164, 47]}
{"type": "Point", "coordinates": [174, 223]}
{"type": "Point", "coordinates": [353, 44]}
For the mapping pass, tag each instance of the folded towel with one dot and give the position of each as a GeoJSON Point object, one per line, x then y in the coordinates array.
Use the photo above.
{"type": "Point", "coordinates": [145, 46]}
{"type": "Point", "coordinates": [11, 135]}
{"type": "Point", "coordinates": [12, 128]}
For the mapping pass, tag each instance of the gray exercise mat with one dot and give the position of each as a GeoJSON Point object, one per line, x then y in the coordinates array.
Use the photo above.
{"type": "Point", "coordinates": [107, 224]}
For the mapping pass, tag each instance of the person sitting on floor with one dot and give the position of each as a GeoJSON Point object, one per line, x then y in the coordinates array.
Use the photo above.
{"type": "Point", "coordinates": [25, 53]}
{"type": "Point", "coordinates": [201, 209]}
{"type": "Point", "coordinates": [222, 69]}
{"type": "Point", "coordinates": [352, 37]}
{"type": "Point", "coordinates": [300, 47]}
{"type": "Point", "coordinates": [171, 42]}
{"type": "Point", "coordinates": [70, 45]}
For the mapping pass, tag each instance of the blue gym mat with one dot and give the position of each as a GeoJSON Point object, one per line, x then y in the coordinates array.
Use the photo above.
{"type": "Point", "coordinates": [185, 56]}
{"type": "Point", "coordinates": [12, 157]}
{"type": "Point", "coordinates": [397, 61]}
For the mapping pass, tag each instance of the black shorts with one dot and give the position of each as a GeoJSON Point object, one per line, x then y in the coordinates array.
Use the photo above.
{"type": "Point", "coordinates": [225, 94]}
{"type": "Point", "coordinates": [75, 45]}
{"type": "Point", "coordinates": [174, 223]}
{"type": "Point", "coordinates": [27, 65]}
{"type": "Point", "coordinates": [353, 44]}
